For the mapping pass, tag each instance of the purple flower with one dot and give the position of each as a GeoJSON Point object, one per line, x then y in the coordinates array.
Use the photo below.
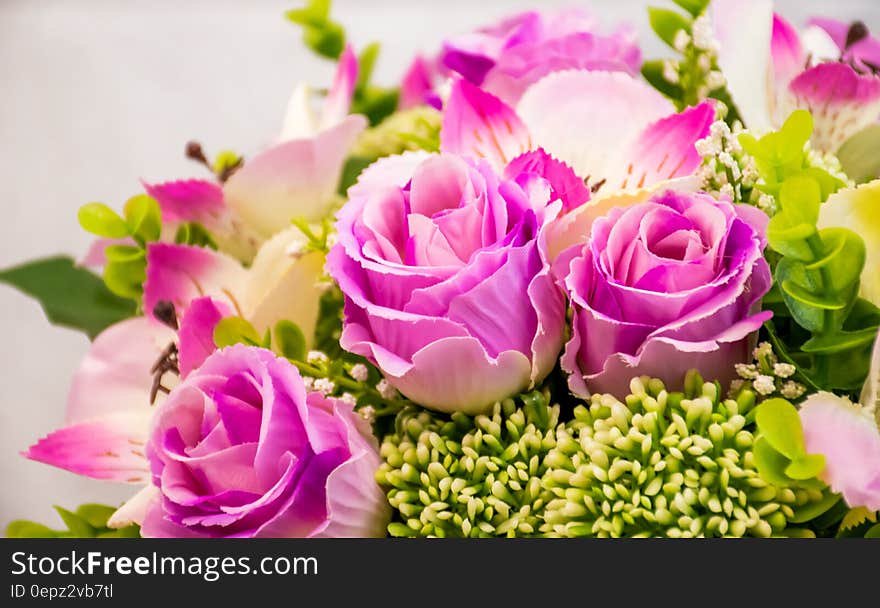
{"type": "Point", "coordinates": [240, 449]}
{"type": "Point", "coordinates": [506, 58]}
{"type": "Point", "coordinates": [661, 287]}
{"type": "Point", "coordinates": [446, 289]}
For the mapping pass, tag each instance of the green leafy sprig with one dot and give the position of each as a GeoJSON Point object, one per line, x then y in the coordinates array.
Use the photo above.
{"type": "Point", "coordinates": [88, 521]}
{"type": "Point", "coordinates": [326, 38]}
{"type": "Point", "coordinates": [816, 272]}
{"type": "Point", "coordinates": [125, 270]}
{"type": "Point", "coordinates": [693, 75]}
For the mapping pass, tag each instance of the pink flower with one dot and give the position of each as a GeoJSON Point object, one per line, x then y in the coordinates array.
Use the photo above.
{"type": "Point", "coordinates": [772, 70]}
{"type": "Point", "coordinates": [240, 449]}
{"type": "Point", "coordinates": [607, 129]}
{"type": "Point", "coordinates": [505, 59]}
{"type": "Point", "coordinates": [848, 436]}
{"type": "Point", "coordinates": [662, 287]}
{"type": "Point", "coordinates": [446, 290]}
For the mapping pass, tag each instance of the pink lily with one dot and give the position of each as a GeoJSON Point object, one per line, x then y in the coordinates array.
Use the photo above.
{"type": "Point", "coordinates": [771, 70]}
{"type": "Point", "coordinates": [848, 436]}
{"type": "Point", "coordinates": [605, 128]}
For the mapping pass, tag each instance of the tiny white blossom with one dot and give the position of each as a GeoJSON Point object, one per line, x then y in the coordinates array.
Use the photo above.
{"type": "Point", "coordinates": [793, 390]}
{"type": "Point", "coordinates": [726, 159]}
{"type": "Point", "coordinates": [704, 39]}
{"type": "Point", "coordinates": [368, 412]}
{"type": "Point", "coordinates": [704, 62]}
{"type": "Point", "coordinates": [324, 385]}
{"type": "Point", "coordinates": [309, 383]}
{"type": "Point", "coordinates": [359, 372]}
{"type": "Point", "coordinates": [728, 191]}
{"type": "Point", "coordinates": [746, 371]}
{"type": "Point", "coordinates": [670, 72]}
{"type": "Point", "coordinates": [784, 370]}
{"type": "Point", "coordinates": [386, 390]}
{"type": "Point", "coordinates": [764, 385]}
{"type": "Point", "coordinates": [764, 349]}
{"type": "Point", "coordinates": [681, 41]}
{"type": "Point", "coordinates": [332, 239]}
{"type": "Point", "coordinates": [715, 80]}
{"type": "Point", "coordinates": [348, 398]}
{"type": "Point", "coordinates": [316, 356]}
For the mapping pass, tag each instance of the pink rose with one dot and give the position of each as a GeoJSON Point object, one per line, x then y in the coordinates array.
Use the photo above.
{"type": "Point", "coordinates": [446, 290]}
{"type": "Point", "coordinates": [661, 287]}
{"type": "Point", "coordinates": [239, 448]}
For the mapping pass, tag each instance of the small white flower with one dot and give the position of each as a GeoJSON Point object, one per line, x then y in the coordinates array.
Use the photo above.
{"type": "Point", "coordinates": [325, 386]}
{"type": "Point", "coordinates": [746, 371]}
{"type": "Point", "coordinates": [784, 370]}
{"type": "Point", "coordinates": [728, 191]}
{"type": "Point", "coordinates": [368, 413]}
{"type": "Point", "coordinates": [704, 62]}
{"type": "Point", "coordinates": [348, 398]}
{"type": "Point", "coordinates": [309, 383]}
{"type": "Point", "coordinates": [793, 390]}
{"type": "Point", "coordinates": [764, 385]}
{"type": "Point", "coordinates": [332, 239]}
{"type": "Point", "coordinates": [386, 390]}
{"type": "Point", "coordinates": [704, 39]}
{"type": "Point", "coordinates": [359, 372]}
{"type": "Point", "coordinates": [316, 356]}
{"type": "Point", "coordinates": [681, 41]}
{"type": "Point", "coordinates": [764, 349]}
{"type": "Point", "coordinates": [670, 72]}
{"type": "Point", "coordinates": [715, 80]}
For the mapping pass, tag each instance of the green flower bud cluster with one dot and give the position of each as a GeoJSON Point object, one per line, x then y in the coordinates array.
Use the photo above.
{"type": "Point", "coordinates": [470, 476]}
{"type": "Point", "coordinates": [414, 129]}
{"type": "Point", "coordinates": [664, 464]}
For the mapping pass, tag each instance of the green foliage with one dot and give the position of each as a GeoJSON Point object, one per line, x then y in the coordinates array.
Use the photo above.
{"type": "Point", "coordinates": [88, 521]}
{"type": "Point", "coordinates": [70, 296]}
{"type": "Point", "coordinates": [290, 341]}
{"type": "Point", "coordinates": [193, 233]}
{"type": "Point", "coordinates": [320, 33]}
{"type": "Point", "coordinates": [694, 7]}
{"type": "Point", "coordinates": [667, 23]}
{"type": "Point", "coordinates": [817, 272]}
{"type": "Point", "coordinates": [235, 330]}
{"type": "Point", "coordinates": [126, 267]}
{"type": "Point", "coordinates": [860, 155]}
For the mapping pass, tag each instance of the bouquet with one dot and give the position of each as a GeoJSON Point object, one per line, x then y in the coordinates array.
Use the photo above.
{"type": "Point", "coordinates": [542, 287]}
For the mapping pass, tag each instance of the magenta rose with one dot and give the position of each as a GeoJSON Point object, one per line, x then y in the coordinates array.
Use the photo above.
{"type": "Point", "coordinates": [445, 288]}
{"type": "Point", "coordinates": [662, 287]}
{"type": "Point", "coordinates": [506, 58]}
{"type": "Point", "coordinates": [240, 449]}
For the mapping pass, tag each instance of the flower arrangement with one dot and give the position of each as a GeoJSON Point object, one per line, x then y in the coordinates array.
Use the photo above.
{"type": "Point", "coordinates": [540, 288]}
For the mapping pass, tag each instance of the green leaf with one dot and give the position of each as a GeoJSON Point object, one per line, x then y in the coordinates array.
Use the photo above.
{"type": "Point", "coordinates": [860, 155]}
{"type": "Point", "coordinates": [376, 103]}
{"type": "Point", "coordinates": [101, 220]}
{"type": "Point", "coordinates": [874, 532]}
{"type": "Point", "coordinates": [235, 330]}
{"type": "Point", "coordinates": [843, 257]}
{"type": "Point", "coordinates": [95, 515]}
{"type": "Point", "coordinates": [694, 7]}
{"type": "Point", "coordinates": [78, 527]}
{"type": "Point", "coordinates": [806, 467]}
{"type": "Point", "coordinates": [789, 229]}
{"type": "Point", "coordinates": [796, 130]}
{"type": "Point", "coordinates": [290, 340]}
{"type": "Point", "coordinates": [193, 233]}
{"type": "Point", "coordinates": [144, 218]}
{"type": "Point", "coordinates": [667, 23]}
{"type": "Point", "coordinates": [841, 341]}
{"type": "Point", "coordinates": [805, 296]}
{"type": "Point", "coordinates": [70, 296]}
{"type": "Point", "coordinates": [653, 73]}
{"type": "Point", "coordinates": [813, 510]}
{"type": "Point", "coordinates": [328, 40]}
{"type": "Point", "coordinates": [366, 63]}
{"type": "Point", "coordinates": [314, 13]}
{"type": "Point", "coordinates": [770, 463]}
{"type": "Point", "coordinates": [351, 170]}
{"type": "Point", "coordinates": [125, 275]}
{"type": "Point", "coordinates": [780, 425]}
{"type": "Point", "coordinates": [21, 528]}
{"type": "Point", "coordinates": [791, 271]}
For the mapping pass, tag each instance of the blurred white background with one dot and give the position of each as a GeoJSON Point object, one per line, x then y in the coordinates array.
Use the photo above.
{"type": "Point", "coordinates": [96, 94]}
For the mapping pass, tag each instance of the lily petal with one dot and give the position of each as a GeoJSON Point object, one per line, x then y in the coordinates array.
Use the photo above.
{"type": "Point", "coordinates": [568, 114]}
{"type": "Point", "coordinates": [339, 97]}
{"type": "Point", "coordinates": [480, 125]}
{"type": "Point", "coordinates": [297, 178]}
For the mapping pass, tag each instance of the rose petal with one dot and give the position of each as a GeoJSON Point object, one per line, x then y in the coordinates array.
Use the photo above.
{"type": "Point", "coordinates": [196, 333]}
